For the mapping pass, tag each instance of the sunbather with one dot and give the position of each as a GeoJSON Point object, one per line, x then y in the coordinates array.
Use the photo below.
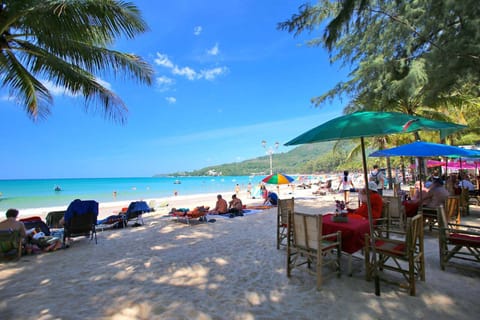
{"type": "Point", "coordinates": [235, 206]}
{"type": "Point", "coordinates": [11, 222]}
{"type": "Point", "coordinates": [221, 207]}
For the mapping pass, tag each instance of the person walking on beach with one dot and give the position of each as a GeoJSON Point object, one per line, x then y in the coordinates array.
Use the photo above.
{"type": "Point", "coordinates": [221, 207]}
{"type": "Point", "coordinates": [346, 185]}
{"type": "Point", "coordinates": [249, 190]}
{"type": "Point", "coordinates": [377, 176]}
{"type": "Point", "coordinates": [237, 189]}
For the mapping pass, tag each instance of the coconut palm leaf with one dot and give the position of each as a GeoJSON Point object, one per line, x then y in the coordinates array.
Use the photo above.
{"type": "Point", "coordinates": [67, 43]}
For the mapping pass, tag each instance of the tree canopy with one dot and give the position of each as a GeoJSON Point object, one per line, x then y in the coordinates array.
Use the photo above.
{"type": "Point", "coordinates": [403, 54]}
{"type": "Point", "coordinates": [66, 43]}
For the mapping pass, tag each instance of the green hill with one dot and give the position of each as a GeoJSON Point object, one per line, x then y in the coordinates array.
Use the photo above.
{"type": "Point", "coordinates": [305, 159]}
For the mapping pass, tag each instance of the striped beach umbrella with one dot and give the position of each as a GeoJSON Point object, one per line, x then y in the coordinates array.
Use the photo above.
{"type": "Point", "coordinates": [278, 178]}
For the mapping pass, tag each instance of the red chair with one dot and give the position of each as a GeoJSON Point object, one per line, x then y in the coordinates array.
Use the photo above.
{"type": "Point", "coordinates": [457, 241]}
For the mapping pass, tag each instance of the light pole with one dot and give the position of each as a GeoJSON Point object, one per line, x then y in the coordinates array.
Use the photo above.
{"type": "Point", "coordinates": [270, 152]}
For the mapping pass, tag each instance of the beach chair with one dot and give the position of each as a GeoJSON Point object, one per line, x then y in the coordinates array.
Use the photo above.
{"type": "Point", "coordinates": [36, 222]}
{"type": "Point", "coordinates": [284, 207]}
{"type": "Point", "coordinates": [306, 246]}
{"type": "Point", "coordinates": [10, 245]}
{"type": "Point", "coordinates": [457, 241]}
{"type": "Point", "coordinates": [406, 254]}
{"type": "Point", "coordinates": [464, 202]}
{"type": "Point", "coordinates": [80, 220]}
{"type": "Point", "coordinates": [136, 210]}
{"type": "Point", "coordinates": [396, 211]}
{"type": "Point", "coordinates": [53, 219]}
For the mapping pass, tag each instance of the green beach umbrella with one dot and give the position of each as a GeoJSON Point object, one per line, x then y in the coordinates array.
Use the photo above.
{"type": "Point", "coordinates": [369, 124]}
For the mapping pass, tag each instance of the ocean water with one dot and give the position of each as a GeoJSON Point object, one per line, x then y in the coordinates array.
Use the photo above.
{"type": "Point", "coordinates": [40, 193]}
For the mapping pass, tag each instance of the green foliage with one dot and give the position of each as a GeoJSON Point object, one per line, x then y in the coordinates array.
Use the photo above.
{"type": "Point", "coordinates": [66, 43]}
{"type": "Point", "coordinates": [404, 55]}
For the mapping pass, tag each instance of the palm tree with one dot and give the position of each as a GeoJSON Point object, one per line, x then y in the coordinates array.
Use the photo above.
{"type": "Point", "coordinates": [65, 42]}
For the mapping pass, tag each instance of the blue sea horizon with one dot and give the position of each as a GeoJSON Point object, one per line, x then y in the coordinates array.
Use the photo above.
{"type": "Point", "coordinates": [40, 193]}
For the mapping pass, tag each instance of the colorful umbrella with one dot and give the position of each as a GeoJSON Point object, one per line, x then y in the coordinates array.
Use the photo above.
{"type": "Point", "coordinates": [278, 178]}
{"type": "Point", "coordinates": [369, 124]}
{"type": "Point", "coordinates": [426, 149]}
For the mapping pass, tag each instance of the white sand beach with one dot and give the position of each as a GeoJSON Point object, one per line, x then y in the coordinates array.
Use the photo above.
{"type": "Point", "coordinates": [229, 269]}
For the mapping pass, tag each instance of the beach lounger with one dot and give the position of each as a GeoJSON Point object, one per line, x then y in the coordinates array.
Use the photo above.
{"type": "Point", "coordinates": [80, 220]}
{"type": "Point", "coordinates": [197, 215]}
{"type": "Point", "coordinates": [53, 219]}
{"type": "Point", "coordinates": [112, 222]}
{"type": "Point", "coordinates": [36, 222]}
{"type": "Point", "coordinates": [136, 210]}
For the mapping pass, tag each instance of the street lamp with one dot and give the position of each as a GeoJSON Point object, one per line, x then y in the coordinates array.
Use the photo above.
{"type": "Point", "coordinates": [270, 152]}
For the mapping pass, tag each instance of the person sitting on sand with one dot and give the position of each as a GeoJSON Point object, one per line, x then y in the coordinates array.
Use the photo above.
{"type": "Point", "coordinates": [376, 202]}
{"type": "Point", "coordinates": [272, 199]}
{"type": "Point", "coordinates": [11, 223]}
{"type": "Point", "coordinates": [235, 206]}
{"type": "Point", "coordinates": [221, 206]}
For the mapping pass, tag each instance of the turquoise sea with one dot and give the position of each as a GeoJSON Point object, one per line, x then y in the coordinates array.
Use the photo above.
{"type": "Point", "coordinates": [39, 193]}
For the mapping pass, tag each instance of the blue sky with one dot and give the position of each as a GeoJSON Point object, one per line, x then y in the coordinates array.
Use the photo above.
{"type": "Point", "coordinates": [226, 79]}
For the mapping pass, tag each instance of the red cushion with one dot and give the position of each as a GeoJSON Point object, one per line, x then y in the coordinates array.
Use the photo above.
{"type": "Point", "coordinates": [390, 247]}
{"type": "Point", "coordinates": [464, 240]}
{"type": "Point", "coordinates": [30, 219]}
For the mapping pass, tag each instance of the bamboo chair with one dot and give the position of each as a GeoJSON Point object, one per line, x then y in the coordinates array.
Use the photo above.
{"type": "Point", "coordinates": [409, 250]}
{"type": "Point", "coordinates": [11, 243]}
{"type": "Point", "coordinates": [452, 205]}
{"type": "Point", "coordinates": [383, 224]}
{"type": "Point", "coordinates": [309, 246]}
{"type": "Point", "coordinates": [457, 241]}
{"type": "Point", "coordinates": [396, 211]}
{"type": "Point", "coordinates": [284, 206]}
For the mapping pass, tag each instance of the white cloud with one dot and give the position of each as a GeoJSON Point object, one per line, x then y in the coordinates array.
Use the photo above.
{"type": "Point", "coordinates": [7, 98]}
{"type": "Point", "coordinates": [186, 72]}
{"type": "Point", "coordinates": [214, 51]}
{"type": "Point", "coordinates": [211, 74]}
{"type": "Point", "coordinates": [171, 100]}
{"type": "Point", "coordinates": [164, 83]}
{"type": "Point", "coordinates": [197, 30]}
{"type": "Point", "coordinates": [162, 60]}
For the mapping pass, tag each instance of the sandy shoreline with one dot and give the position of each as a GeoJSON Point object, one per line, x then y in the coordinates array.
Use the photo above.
{"type": "Point", "coordinates": [229, 269]}
{"type": "Point", "coordinates": [180, 201]}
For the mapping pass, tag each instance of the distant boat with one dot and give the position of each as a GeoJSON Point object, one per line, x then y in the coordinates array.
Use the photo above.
{"type": "Point", "coordinates": [177, 182]}
{"type": "Point", "coordinates": [57, 188]}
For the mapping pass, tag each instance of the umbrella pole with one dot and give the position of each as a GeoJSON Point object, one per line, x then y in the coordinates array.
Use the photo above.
{"type": "Point", "coordinates": [370, 221]}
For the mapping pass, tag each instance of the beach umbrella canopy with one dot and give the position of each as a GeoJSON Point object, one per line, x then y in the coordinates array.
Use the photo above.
{"type": "Point", "coordinates": [369, 124]}
{"type": "Point", "coordinates": [425, 149]}
{"type": "Point", "coordinates": [278, 178]}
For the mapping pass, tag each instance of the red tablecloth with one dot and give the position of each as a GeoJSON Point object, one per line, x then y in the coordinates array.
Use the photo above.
{"type": "Point", "coordinates": [353, 232]}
